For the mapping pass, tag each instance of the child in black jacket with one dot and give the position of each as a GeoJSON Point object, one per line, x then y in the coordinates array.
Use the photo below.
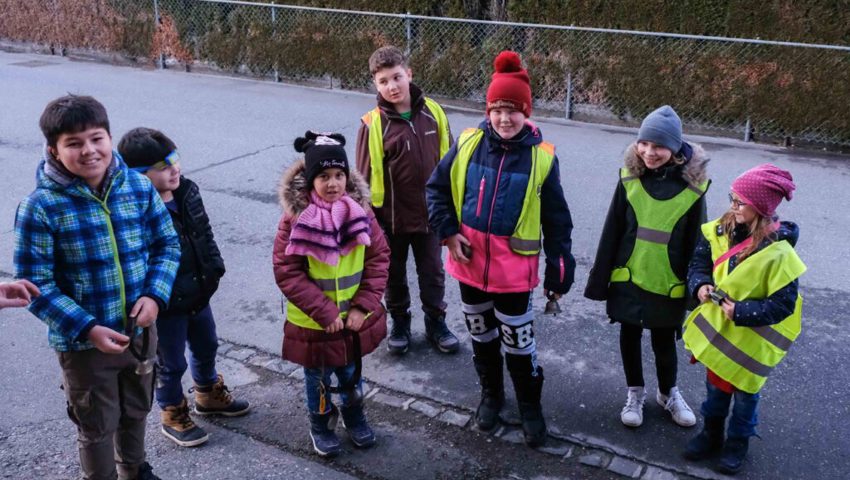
{"type": "Point", "coordinates": [188, 317]}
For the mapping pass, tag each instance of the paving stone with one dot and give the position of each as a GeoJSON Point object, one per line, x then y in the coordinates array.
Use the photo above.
{"type": "Point", "coordinates": [593, 460]}
{"type": "Point", "coordinates": [298, 373]}
{"type": "Point", "coordinates": [625, 467]}
{"type": "Point", "coordinates": [512, 436]}
{"type": "Point", "coordinates": [564, 450]}
{"type": "Point", "coordinates": [387, 399]}
{"type": "Point", "coordinates": [241, 354]}
{"type": "Point", "coordinates": [454, 418]}
{"type": "Point", "coordinates": [280, 366]}
{"type": "Point", "coordinates": [425, 408]}
{"type": "Point", "coordinates": [224, 348]}
{"type": "Point", "coordinates": [655, 473]}
{"type": "Point", "coordinates": [260, 360]}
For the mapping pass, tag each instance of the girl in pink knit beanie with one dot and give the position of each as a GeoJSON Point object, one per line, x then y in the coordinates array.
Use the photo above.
{"type": "Point", "coordinates": [744, 273]}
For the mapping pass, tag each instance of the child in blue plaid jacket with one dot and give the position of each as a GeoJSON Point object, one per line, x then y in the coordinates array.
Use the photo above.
{"type": "Point", "coordinates": [96, 239]}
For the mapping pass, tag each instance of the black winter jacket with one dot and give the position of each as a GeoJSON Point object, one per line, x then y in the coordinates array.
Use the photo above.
{"type": "Point", "coordinates": [201, 265]}
{"type": "Point", "coordinates": [626, 302]}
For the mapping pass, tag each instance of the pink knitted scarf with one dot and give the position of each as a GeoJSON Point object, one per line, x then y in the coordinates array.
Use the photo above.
{"type": "Point", "coordinates": [325, 231]}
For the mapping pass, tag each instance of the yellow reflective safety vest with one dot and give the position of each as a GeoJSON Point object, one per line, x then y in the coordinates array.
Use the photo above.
{"type": "Point", "coordinates": [525, 239]}
{"type": "Point", "coordinates": [372, 119]}
{"type": "Point", "coordinates": [648, 267]}
{"type": "Point", "coordinates": [745, 356]}
{"type": "Point", "coordinates": [338, 282]}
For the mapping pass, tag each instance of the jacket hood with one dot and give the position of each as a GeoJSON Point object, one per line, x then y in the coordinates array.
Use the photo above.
{"type": "Point", "coordinates": [788, 231]}
{"type": "Point", "coordinates": [294, 192]}
{"type": "Point", "coordinates": [692, 169]}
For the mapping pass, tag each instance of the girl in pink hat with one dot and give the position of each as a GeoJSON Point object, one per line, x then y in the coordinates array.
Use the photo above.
{"type": "Point", "coordinates": [744, 273]}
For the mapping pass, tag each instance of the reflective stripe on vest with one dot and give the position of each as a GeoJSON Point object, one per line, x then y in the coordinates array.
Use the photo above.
{"type": "Point", "coordinates": [648, 266]}
{"type": "Point", "coordinates": [525, 239]}
{"type": "Point", "coordinates": [338, 282]}
{"type": "Point", "coordinates": [745, 356]}
{"type": "Point", "coordinates": [372, 119]}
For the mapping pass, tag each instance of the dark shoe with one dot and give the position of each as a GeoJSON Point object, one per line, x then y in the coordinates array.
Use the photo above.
{"type": "Point", "coordinates": [325, 441]}
{"type": "Point", "coordinates": [708, 442]}
{"type": "Point", "coordinates": [399, 340]}
{"type": "Point", "coordinates": [216, 399]}
{"type": "Point", "coordinates": [355, 424]}
{"type": "Point", "coordinates": [528, 390]}
{"type": "Point", "coordinates": [179, 427]}
{"type": "Point", "coordinates": [439, 335]}
{"type": "Point", "coordinates": [146, 472]}
{"type": "Point", "coordinates": [733, 454]}
{"type": "Point", "coordinates": [491, 376]}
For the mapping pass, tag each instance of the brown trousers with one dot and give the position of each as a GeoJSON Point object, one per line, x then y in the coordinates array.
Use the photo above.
{"type": "Point", "coordinates": [108, 402]}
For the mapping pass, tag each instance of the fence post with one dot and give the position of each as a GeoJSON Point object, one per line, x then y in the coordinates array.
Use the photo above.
{"type": "Point", "coordinates": [156, 22]}
{"type": "Point", "coordinates": [568, 101]}
{"type": "Point", "coordinates": [407, 33]}
{"type": "Point", "coordinates": [274, 34]}
{"type": "Point", "coordinates": [748, 131]}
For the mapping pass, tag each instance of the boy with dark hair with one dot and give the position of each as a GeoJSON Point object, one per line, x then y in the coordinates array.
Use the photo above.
{"type": "Point", "coordinates": [95, 238]}
{"type": "Point", "coordinates": [398, 145]}
{"type": "Point", "coordinates": [188, 317]}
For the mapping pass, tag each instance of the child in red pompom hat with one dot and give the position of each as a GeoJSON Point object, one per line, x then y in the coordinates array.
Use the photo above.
{"type": "Point", "coordinates": [482, 206]}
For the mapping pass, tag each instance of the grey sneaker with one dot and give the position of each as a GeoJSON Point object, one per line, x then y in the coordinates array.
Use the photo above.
{"type": "Point", "coordinates": [439, 335]}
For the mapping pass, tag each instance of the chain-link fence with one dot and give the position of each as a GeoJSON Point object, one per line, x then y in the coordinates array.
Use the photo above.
{"type": "Point", "coordinates": [747, 88]}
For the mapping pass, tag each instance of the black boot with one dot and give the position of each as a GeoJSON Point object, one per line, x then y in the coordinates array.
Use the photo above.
{"type": "Point", "coordinates": [733, 454]}
{"type": "Point", "coordinates": [325, 441]}
{"type": "Point", "coordinates": [399, 339]}
{"type": "Point", "coordinates": [439, 335]}
{"type": "Point", "coordinates": [528, 391]}
{"type": "Point", "coordinates": [490, 374]}
{"type": "Point", "coordinates": [708, 442]}
{"type": "Point", "coordinates": [354, 421]}
{"type": "Point", "coordinates": [146, 472]}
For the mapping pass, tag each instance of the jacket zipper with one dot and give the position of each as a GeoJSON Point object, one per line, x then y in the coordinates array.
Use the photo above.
{"type": "Point", "coordinates": [113, 244]}
{"type": "Point", "coordinates": [480, 196]}
{"type": "Point", "coordinates": [419, 165]}
{"type": "Point", "coordinates": [392, 199]}
{"type": "Point", "coordinates": [490, 223]}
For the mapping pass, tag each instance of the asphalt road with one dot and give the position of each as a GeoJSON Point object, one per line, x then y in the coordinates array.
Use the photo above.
{"type": "Point", "coordinates": [235, 138]}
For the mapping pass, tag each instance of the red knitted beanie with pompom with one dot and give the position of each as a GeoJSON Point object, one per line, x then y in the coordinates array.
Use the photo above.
{"type": "Point", "coordinates": [510, 85]}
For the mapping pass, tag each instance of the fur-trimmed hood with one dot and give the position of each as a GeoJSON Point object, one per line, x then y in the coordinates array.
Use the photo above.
{"type": "Point", "coordinates": [693, 169]}
{"type": "Point", "coordinates": [294, 192]}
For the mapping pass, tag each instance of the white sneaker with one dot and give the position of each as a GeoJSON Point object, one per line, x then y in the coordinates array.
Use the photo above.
{"type": "Point", "coordinates": [632, 414]}
{"type": "Point", "coordinates": [678, 408]}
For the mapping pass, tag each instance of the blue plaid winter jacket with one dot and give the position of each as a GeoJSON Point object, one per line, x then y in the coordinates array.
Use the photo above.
{"type": "Point", "coordinates": [93, 258]}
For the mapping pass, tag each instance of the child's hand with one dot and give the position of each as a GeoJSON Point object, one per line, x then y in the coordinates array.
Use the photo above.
{"type": "Point", "coordinates": [108, 340]}
{"type": "Point", "coordinates": [728, 306]}
{"type": "Point", "coordinates": [355, 319]}
{"type": "Point", "coordinates": [456, 244]}
{"type": "Point", "coordinates": [145, 310]}
{"type": "Point", "coordinates": [336, 326]}
{"type": "Point", "coordinates": [704, 292]}
{"type": "Point", "coordinates": [17, 294]}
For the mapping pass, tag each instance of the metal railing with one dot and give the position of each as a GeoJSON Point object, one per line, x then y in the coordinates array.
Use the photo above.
{"type": "Point", "coordinates": [753, 89]}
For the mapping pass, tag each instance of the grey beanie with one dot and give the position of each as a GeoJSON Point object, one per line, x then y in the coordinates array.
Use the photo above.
{"type": "Point", "coordinates": [662, 127]}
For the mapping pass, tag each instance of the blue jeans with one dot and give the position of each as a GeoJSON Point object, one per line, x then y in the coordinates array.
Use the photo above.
{"type": "Point", "coordinates": [312, 376]}
{"type": "Point", "coordinates": [744, 411]}
{"type": "Point", "coordinates": [174, 332]}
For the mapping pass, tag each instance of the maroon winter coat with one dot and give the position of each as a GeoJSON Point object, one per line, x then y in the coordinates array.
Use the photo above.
{"type": "Point", "coordinates": [315, 348]}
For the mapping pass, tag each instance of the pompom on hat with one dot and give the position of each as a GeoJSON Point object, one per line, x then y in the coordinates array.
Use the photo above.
{"type": "Point", "coordinates": [510, 86]}
{"type": "Point", "coordinates": [764, 187]}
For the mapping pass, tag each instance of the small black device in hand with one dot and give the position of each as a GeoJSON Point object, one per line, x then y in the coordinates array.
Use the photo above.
{"type": "Point", "coordinates": [717, 296]}
{"type": "Point", "coordinates": [466, 250]}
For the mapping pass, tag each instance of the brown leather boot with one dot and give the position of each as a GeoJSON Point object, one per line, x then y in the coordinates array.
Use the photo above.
{"type": "Point", "coordinates": [216, 399]}
{"type": "Point", "coordinates": [178, 426]}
